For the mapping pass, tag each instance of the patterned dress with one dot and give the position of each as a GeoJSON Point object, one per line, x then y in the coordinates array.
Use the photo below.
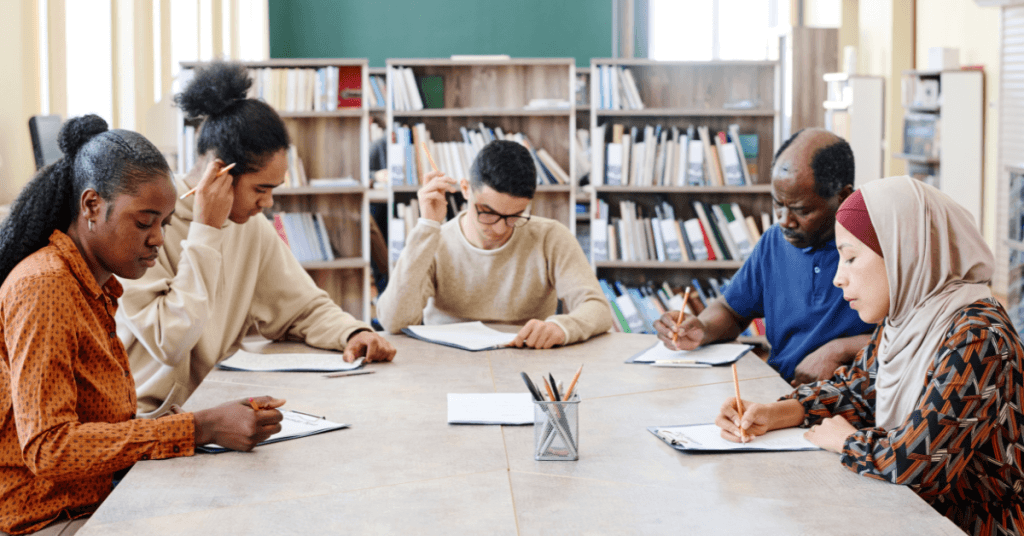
{"type": "Point", "coordinates": [960, 450]}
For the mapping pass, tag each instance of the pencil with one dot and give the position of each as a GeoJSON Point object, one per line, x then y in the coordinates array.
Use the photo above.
{"type": "Point", "coordinates": [547, 386]}
{"type": "Point", "coordinates": [572, 384]}
{"type": "Point", "coordinates": [430, 157]}
{"type": "Point", "coordinates": [254, 405]}
{"type": "Point", "coordinates": [739, 402]}
{"type": "Point", "coordinates": [679, 319]}
{"type": "Point", "coordinates": [220, 173]}
{"type": "Point", "coordinates": [348, 373]}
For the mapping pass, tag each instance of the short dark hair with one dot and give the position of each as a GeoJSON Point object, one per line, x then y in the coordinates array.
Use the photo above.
{"type": "Point", "coordinates": [506, 167]}
{"type": "Point", "coordinates": [242, 131]}
{"type": "Point", "coordinates": [832, 166]}
{"type": "Point", "coordinates": [111, 162]}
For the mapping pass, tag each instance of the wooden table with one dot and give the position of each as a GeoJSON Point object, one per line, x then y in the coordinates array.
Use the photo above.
{"type": "Point", "coordinates": [401, 469]}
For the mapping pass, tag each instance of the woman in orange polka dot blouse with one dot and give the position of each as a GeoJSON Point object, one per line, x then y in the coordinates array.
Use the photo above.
{"type": "Point", "coordinates": [67, 397]}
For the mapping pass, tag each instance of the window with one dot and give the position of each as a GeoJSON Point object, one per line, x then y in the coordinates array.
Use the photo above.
{"type": "Point", "coordinates": [89, 59]}
{"type": "Point", "coordinates": [703, 30]}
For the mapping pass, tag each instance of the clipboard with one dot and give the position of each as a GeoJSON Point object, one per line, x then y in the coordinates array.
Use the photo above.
{"type": "Point", "coordinates": [711, 355]}
{"type": "Point", "coordinates": [704, 439]}
{"type": "Point", "coordinates": [294, 425]}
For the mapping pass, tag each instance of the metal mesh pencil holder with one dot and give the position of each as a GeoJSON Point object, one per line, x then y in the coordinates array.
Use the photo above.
{"type": "Point", "coordinates": [556, 430]}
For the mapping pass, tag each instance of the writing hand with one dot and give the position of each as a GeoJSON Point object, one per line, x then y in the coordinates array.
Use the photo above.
{"type": "Point", "coordinates": [235, 425]}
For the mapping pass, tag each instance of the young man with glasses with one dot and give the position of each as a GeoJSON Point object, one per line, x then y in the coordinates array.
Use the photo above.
{"type": "Point", "coordinates": [494, 262]}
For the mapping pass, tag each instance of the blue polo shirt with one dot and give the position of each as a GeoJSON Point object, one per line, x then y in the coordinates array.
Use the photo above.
{"type": "Point", "coordinates": [792, 289]}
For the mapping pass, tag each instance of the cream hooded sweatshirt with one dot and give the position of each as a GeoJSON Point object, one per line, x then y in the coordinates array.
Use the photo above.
{"type": "Point", "coordinates": [208, 288]}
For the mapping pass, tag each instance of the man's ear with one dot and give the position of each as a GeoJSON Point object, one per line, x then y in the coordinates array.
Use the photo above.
{"type": "Point", "coordinates": [464, 186]}
{"type": "Point", "coordinates": [91, 204]}
{"type": "Point", "coordinates": [845, 192]}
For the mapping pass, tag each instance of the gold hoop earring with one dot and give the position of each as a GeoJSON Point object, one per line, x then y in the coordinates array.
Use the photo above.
{"type": "Point", "coordinates": [90, 225]}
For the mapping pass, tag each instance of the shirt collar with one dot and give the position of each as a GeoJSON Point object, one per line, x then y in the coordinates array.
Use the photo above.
{"type": "Point", "coordinates": [825, 246]}
{"type": "Point", "coordinates": [68, 251]}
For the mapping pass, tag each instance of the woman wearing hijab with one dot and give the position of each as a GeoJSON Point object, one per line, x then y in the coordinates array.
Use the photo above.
{"type": "Point", "coordinates": [935, 399]}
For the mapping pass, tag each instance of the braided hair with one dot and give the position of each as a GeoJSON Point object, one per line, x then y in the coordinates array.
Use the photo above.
{"type": "Point", "coordinates": [111, 162]}
{"type": "Point", "coordinates": [240, 130]}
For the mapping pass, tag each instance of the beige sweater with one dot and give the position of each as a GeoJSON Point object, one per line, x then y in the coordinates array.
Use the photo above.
{"type": "Point", "coordinates": [442, 278]}
{"type": "Point", "coordinates": [209, 286]}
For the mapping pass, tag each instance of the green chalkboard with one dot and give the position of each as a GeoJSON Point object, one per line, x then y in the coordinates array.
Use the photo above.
{"type": "Point", "coordinates": [383, 29]}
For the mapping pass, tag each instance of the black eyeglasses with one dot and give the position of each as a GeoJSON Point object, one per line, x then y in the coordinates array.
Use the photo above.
{"type": "Point", "coordinates": [487, 217]}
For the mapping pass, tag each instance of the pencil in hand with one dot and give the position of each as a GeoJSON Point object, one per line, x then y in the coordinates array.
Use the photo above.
{"type": "Point", "coordinates": [739, 402]}
{"type": "Point", "coordinates": [679, 319]}
{"type": "Point", "coordinates": [220, 173]}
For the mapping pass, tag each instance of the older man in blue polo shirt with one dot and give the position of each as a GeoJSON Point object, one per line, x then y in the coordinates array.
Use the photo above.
{"type": "Point", "coordinates": [788, 278]}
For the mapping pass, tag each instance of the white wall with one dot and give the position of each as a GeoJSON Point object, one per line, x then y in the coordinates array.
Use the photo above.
{"type": "Point", "coordinates": [19, 93]}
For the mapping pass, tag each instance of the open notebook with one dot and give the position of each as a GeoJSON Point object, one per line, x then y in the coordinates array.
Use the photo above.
{"type": "Point", "coordinates": [244, 360]}
{"type": "Point", "coordinates": [293, 426]}
{"type": "Point", "coordinates": [708, 438]}
{"type": "Point", "coordinates": [471, 336]}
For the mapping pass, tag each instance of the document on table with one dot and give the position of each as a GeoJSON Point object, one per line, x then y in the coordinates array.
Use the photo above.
{"type": "Point", "coordinates": [705, 356]}
{"type": "Point", "coordinates": [708, 438]}
{"type": "Point", "coordinates": [472, 336]}
{"type": "Point", "coordinates": [490, 408]}
{"type": "Point", "coordinates": [293, 426]}
{"type": "Point", "coordinates": [244, 360]}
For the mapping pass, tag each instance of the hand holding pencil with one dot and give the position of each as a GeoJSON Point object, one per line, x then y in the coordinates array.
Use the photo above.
{"type": "Point", "coordinates": [433, 203]}
{"type": "Point", "coordinates": [215, 194]}
{"type": "Point", "coordinates": [678, 330]}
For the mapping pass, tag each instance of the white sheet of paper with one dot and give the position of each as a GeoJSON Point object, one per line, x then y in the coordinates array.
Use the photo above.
{"type": "Point", "coordinates": [295, 425]}
{"type": "Point", "coordinates": [292, 362]}
{"type": "Point", "coordinates": [712, 354]}
{"type": "Point", "coordinates": [490, 408]}
{"type": "Point", "coordinates": [472, 335]}
{"type": "Point", "coordinates": [708, 437]}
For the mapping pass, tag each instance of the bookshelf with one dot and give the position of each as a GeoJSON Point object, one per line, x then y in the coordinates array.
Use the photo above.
{"type": "Point", "coordinates": [855, 111]}
{"type": "Point", "coordinates": [331, 144]}
{"type": "Point", "coordinates": [713, 94]}
{"type": "Point", "coordinates": [943, 132]}
{"type": "Point", "coordinates": [493, 93]}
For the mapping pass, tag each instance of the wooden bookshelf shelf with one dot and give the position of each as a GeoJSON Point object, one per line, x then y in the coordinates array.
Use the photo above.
{"type": "Point", "coordinates": [756, 189]}
{"type": "Point", "coordinates": [482, 112]}
{"type": "Point", "coordinates": [930, 109]}
{"type": "Point", "coordinates": [337, 264]}
{"type": "Point", "coordinates": [315, 190]}
{"type": "Point", "coordinates": [665, 265]}
{"type": "Point", "coordinates": [635, 224]}
{"type": "Point", "coordinates": [347, 112]}
{"type": "Point", "coordinates": [690, 112]}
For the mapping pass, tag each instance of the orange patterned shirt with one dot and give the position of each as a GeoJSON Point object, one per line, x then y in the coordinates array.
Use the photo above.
{"type": "Point", "coordinates": [67, 397]}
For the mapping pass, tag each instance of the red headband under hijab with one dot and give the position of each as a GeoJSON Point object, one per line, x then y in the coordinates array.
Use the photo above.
{"type": "Point", "coordinates": [853, 216]}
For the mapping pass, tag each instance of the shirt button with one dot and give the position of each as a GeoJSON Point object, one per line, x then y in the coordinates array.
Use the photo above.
{"type": "Point", "coordinates": [126, 374]}
{"type": "Point", "coordinates": [176, 449]}
{"type": "Point", "coordinates": [817, 270]}
{"type": "Point", "coordinates": [113, 334]}
{"type": "Point", "coordinates": [145, 456]}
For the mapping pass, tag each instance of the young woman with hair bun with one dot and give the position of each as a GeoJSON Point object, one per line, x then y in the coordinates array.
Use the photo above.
{"type": "Point", "coordinates": [224, 270]}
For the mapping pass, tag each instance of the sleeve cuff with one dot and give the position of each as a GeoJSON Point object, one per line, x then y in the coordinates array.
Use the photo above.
{"type": "Point", "coordinates": [564, 331]}
{"type": "Point", "coordinates": [428, 223]}
{"type": "Point", "coordinates": [200, 233]}
{"type": "Point", "coordinates": [177, 437]}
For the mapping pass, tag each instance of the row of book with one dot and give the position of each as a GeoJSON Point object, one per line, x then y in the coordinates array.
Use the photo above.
{"type": "Point", "coordinates": [408, 163]}
{"type": "Point", "coordinates": [922, 133]}
{"type": "Point", "coordinates": [376, 96]}
{"type": "Point", "coordinates": [635, 309]}
{"type": "Point", "coordinates": [295, 175]}
{"type": "Point", "coordinates": [656, 156]}
{"type": "Point", "coordinates": [716, 232]}
{"type": "Point", "coordinates": [415, 93]}
{"type": "Point", "coordinates": [616, 89]}
{"type": "Point", "coordinates": [306, 235]}
{"type": "Point", "coordinates": [308, 90]}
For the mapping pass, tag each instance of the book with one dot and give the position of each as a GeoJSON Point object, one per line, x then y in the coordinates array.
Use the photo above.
{"type": "Point", "coordinates": [433, 91]}
{"type": "Point", "coordinates": [490, 408]}
{"type": "Point", "coordinates": [619, 318]}
{"type": "Point", "coordinates": [350, 86]}
{"type": "Point", "coordinates": [695, 164]}
{"type": "Point", "coordinates": [712, 241]}
{"type": "Point", "coordinates": [712, 168]}
{"type": "Point", "coordinates": [695, 238]}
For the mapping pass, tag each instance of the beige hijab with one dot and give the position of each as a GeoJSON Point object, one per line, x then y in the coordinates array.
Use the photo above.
{"type": "Point", "coordinates": [937, 264]}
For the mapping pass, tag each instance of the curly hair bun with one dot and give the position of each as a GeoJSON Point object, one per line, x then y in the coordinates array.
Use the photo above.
{"type": "Point", "coordinates": [77, 131]}
{"type": "Point", "coordinates": [214, 88]}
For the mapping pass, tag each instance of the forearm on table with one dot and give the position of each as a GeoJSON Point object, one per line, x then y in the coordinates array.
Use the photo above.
{"type": "Point", "coordinates": [721, 323]}
{"type": "Point", "coordinates": [785, 414]}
